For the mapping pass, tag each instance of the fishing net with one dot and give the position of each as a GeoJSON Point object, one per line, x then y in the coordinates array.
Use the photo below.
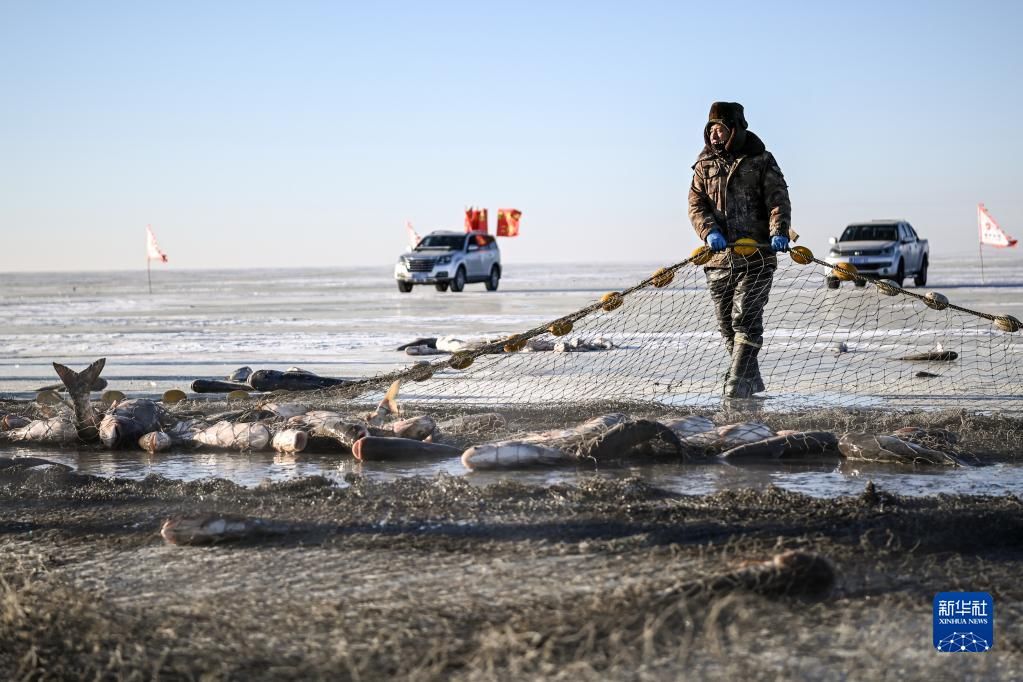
{"type": "Point", "coordinates": [857, 343]}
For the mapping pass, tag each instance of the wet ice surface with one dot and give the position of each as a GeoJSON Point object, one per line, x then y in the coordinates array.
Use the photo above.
{"type": "Point", "coordinates": [347, 322]}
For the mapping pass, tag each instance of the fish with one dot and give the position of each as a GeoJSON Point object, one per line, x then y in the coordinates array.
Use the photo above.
{"type": "Point", "coordinates": [631, 438]}
{"type": "Point", "coordinates": [387, 407]}
{"type": "Point", "coordinates": [58, 430]}
{"type": "Point", "coordinates": [183, 432]}
{"type": "Point", "coordinates": [242, 436]}
{"type": "Point", "coordinates": [286, 410]}
{"type": "Point", "coordinates": [208, 529]}
{"type": "Point", "coordinates": [580, 345]}
{"type": "Point", "coordinates": [867, 447]}
{"type": "Point", "coordinates": [129, 420]}
{"type": "Point", "coordinates": [328, 430]}
{"type": "Point", "coordinates": [556, 447]}
{"type": "Point", "coordinates": [79, 384]}
{"type": "Point", "coordinates": [745, 432]}
{"type": "Point", "coordinates": [240, 375]}
{"type": "Point", "coordinates": [783, 446]}
{"type": "Point", "coordinates": [931, 356]}
{"type": "Point", "coordinates": [155, 441]}
{"type": "Point", "coordinates": [98, 385]}
{"type": "Point", "coordinates": [214, 386]}
{"type": "Point", "coordinates": [916, 434]}
{"type": "Point", "coordinates": [416, 428]}
{"type": "Point", "coordinates": [374, 449]}
{"type": "Point", "coordinates": [513, 454]}
{"type": "Point", "coordinates": [730, 435]}
{"type": "Point", "coordinates": [290, 440]}
{"type": "Point", "coordinates": [689, 425]}
{"type": "Point", "coordinates": [474, 423]}
{"type": "Point", "coordinates": [272, 380]}
{"type": "Point", "coordinates": [587, 430]}
{"type": "Point", "coordinates": [14, 421]}
{"type": "Point", "coordinates": [424, 350]}
{"type": "Point", "coordinates": [429, 342]}
{"type": "Point", "coordinates": [453, 344]}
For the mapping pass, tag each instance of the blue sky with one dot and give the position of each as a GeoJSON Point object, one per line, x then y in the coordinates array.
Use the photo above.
{"type": "Point", "coordinates": [260, 134]}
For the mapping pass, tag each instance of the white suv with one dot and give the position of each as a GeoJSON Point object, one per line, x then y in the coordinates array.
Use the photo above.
{"type": "Point", "coordinates": [450, 259]}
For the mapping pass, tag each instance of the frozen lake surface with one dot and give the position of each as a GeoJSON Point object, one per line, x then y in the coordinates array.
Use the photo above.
{"type": "Point", "coordinates": [347, 322]}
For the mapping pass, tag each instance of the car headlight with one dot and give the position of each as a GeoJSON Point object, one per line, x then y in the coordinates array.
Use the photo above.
{"type": "Point", "coordinates": [403, 262]}
{"type": "Point", "coordinates": [443, 260]}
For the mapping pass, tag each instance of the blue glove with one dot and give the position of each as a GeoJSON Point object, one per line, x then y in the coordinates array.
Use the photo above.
{"type": "Point", "coordinates": [779, 243]}
{"type": "Point", "coordinates": [716, 241]}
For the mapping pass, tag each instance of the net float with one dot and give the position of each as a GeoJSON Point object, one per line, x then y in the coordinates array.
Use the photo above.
{"type": "Point", "coordinates": [845, 272]}
{"type": "Point", "coordinates": [611, 301]}
{"type": "Point", "coordinates": [745, 247]}
{"type": "Point", "coordinates": [174, 395]}
{"type": "Point", "coordinates": [935, 300]}
{"type": "Point", "coordinates": [801, 255]}
{"type": "Point", "coordinates": [560, 328]}
{"type": "Point", "coordinates": [700, 255]}
{"type": "Point", "coordinates": [662, 278]}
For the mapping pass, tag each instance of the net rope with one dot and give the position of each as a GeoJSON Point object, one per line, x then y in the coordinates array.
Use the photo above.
{"type": "Point", "coordinates": [823, 347]}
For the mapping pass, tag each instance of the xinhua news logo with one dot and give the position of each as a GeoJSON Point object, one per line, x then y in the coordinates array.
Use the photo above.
{"type": "Point", "coordinates": [964, 622]}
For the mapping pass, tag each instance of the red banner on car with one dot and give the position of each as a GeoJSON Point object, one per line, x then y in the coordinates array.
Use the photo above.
{"type": "Point", "coordinates": [508, 222]}
{"type": "Point", "coordinates": [476, 220]}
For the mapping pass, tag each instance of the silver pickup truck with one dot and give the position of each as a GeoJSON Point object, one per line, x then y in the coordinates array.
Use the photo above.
{"type": "Point", "coordinates": [881, 249]}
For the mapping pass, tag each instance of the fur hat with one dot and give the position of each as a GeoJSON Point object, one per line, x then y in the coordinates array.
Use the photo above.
{"type": "Point", "coordinates": [729, 114]}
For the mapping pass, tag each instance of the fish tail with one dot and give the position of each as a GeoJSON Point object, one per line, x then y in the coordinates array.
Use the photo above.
{"type": "Point", "coordinates": [80, 383]}
{"type": "Point", "coordinates": [390, 400]}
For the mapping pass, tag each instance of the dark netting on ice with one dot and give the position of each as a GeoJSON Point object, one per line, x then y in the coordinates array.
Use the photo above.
{"type": "Point", "coordinates": [864, 344]}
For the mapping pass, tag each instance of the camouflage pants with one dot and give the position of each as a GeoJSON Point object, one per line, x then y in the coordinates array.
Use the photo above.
{"type": "Point", "coordinates": [740, 294]}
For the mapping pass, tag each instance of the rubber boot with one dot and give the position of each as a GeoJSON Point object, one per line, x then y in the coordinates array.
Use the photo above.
{"type": "Point", "coordinates": [745, 372]}
{"type": "Point", "coordinates": [729, 346]}
{"type": "Point", "coordinates": [758, 381]}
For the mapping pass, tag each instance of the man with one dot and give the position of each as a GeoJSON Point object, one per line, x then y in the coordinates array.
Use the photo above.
{"type": "Point", "coordinates": [739, 191]}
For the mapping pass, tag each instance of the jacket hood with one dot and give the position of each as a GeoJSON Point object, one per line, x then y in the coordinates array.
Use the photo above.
{"type": "Point", "coordinates": [751, 146]}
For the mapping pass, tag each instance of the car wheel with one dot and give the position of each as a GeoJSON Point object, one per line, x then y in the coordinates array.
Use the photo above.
{"type": "Point", "coordinates": [921, 277]}
{"type": "Point", "coordinates": [900, 274]}
{"type": "Point", "coordinates": [494, 279]}
{"type": "Point", "coordinates": [458, 283]}
{"type": "Point", "coordinates": [441, 286]}
{"type": "Point", "coordinates": [832, 282]}
{"type": "Point", "coordinates": [404, 287]}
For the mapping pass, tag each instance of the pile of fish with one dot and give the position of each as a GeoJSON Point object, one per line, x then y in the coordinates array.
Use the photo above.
{"type": "Point", "coordinates": [383, 434]}
{"type": "Point", "coordinates": [266, 380]}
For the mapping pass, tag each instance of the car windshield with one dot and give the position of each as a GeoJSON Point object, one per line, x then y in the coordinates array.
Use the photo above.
{"type": "Point", "coordinates": [869, 233]}
{"type": "Point", "coordinates": [441, 241]}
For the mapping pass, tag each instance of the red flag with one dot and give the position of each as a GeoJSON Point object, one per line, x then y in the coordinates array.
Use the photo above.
{"type": "Point", "coordinates": [508, 222]}
{"type": "Point", "coordinates": [153, 251]}
{"type": "Point", "coordinates": [990, 233]}
{"type": "Point", "coordinates": [476, 220]}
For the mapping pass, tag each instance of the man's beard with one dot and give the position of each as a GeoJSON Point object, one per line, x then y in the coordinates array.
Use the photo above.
{"type": "Point", "coordinates": [718, 147]}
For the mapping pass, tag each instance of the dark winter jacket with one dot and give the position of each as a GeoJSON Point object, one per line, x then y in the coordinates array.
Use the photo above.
{"type": "Point", "coordinates": [741, 193]}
